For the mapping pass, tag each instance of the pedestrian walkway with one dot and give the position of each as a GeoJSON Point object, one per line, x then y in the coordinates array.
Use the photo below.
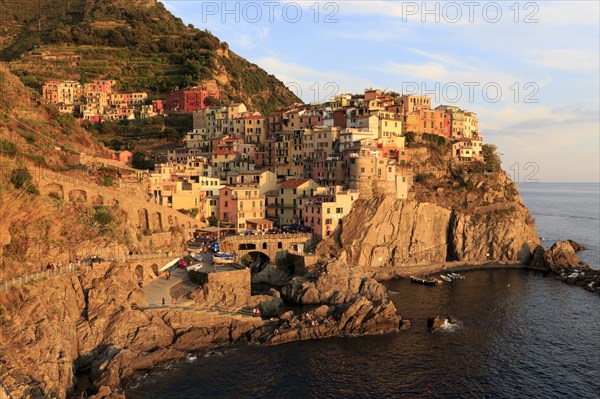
{"type": "Point", "coordinates": [160, 288]}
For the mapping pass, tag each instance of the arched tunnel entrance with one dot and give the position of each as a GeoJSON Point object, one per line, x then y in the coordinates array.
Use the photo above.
{"type": "Point", "coordinates": [139, 271]}
{"type": "Point", "coordinates": [256, 261]}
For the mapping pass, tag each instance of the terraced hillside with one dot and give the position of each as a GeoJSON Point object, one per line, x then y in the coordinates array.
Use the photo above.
{"type": "Point", "coordinates": [137, 42]}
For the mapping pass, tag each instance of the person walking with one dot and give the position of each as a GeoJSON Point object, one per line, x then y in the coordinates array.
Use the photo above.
{"type": "Point", "coordinates": [172, 301]}
{"type": "Point", "coordinates": [163, 301]}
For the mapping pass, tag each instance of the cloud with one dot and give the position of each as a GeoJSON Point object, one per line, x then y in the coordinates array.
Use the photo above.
{"type": "Point", "coordinates": [310, 84]}
{"type": "Point", "coordinates": [566, 59]}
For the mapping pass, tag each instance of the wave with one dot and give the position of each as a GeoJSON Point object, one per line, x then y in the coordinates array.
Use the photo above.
{"type": "Point", "coordinates": [449, 327]}
{"type": "Point", "coordinates": [534, 214]}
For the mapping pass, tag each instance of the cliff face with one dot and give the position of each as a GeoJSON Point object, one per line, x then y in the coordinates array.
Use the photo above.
{"type": "Point", "coordinates": [94, 320]}
{"type": "Point", "coordinates": [485, 222]}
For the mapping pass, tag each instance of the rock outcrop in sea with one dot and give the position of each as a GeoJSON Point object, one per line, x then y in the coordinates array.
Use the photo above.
{"type": "Point", "coordinates": [562, 260]}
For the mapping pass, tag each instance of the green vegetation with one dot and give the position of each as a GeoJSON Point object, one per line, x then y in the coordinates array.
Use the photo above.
{"type": "Point", "coordinates": [492, 159]}
{"type": "Point", "coordinates": [436, 142]}
{"type": "Point", "coordinates": [424, 178]}
{"type": "Point", "coordinates": [8, 148]}
{"type": "Point", "coordinates": [138, 43]}
{"type": "Point", "coordinates": [127, 134]}
{"type": "Point", "coordinates": [190, 212]}
{"type": "Point", "coordinates": [139, 162]}
{"type": "Point", "coordinates": [20, 178]}
{"type": "Point", "coordinates": [108, 181]}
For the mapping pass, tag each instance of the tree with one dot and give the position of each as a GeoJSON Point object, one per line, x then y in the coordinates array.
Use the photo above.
{"type": "Point", "coordinates": [139, 161]}
{"type": "Point", "coordinates": [491, 158]}
{"type": "Point", "coordinates": [21, 178]}
{"type": "Point", "coordinates": [211, 101]}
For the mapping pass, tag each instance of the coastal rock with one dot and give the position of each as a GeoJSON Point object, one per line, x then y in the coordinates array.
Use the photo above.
{"type": "Point", "coordinates": [405, 324]}
{"type": "Point", "coordinates": [106, 393]}
{"type": "Point", "coordinates": [337, 283]}
{"type": "Point", "coordinates": [448, 225]}
{"type": "Point", "coordinates": [439, 322]}
{"type": "Point", "coordinates": [561, 255]}
{"type": "Point", "coordinates": [359, 317]}
{"type": "Point", "coordinates": [577, 246]}
{"type": "Point", "coordinates": [537, 258]}
{"type": "Point", "coordinates": [272, 275]}
{"type": "Point", "coordinates": [270, 308]}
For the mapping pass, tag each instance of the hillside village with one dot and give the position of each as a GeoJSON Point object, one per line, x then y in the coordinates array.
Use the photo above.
{"type": "Point", "coordinates": [98, 101]}
{"type": "Point", "coordinates": [305, 165]}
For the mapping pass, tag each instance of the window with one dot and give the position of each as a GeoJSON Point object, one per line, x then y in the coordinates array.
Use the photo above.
{"type": "Point", "coordinates": [328, 221]}
{"type": "Point", "coordinates": [339, 210]}
{"type": "Point", "coordinates": [328, 211]}
{"type": "Point", "coordinates": [226, 204]}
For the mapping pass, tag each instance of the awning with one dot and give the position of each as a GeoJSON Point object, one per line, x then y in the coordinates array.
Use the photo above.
{"type": "Point", "coordinates": [259, 221]}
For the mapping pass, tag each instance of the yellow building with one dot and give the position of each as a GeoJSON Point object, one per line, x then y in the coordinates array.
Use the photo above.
{"type": "Point", "coordinates": [287, 205]}
{"type": "Point", "coordinates": [318, 143]}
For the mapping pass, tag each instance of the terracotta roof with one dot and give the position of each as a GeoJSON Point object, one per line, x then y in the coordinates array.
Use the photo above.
{"type": "Point", "coordinates": [293, 183]}
{"type": "Point", "coordinates": [224, 152]}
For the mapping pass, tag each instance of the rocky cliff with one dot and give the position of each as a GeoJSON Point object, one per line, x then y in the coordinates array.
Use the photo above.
{"type": "Point", "coordinates": [94, 320]}
{"type": "Point", "coordinates": [483, 220]}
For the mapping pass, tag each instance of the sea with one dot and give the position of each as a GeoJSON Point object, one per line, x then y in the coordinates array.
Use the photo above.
{"type": "Point", "coordinates": [521, 334]}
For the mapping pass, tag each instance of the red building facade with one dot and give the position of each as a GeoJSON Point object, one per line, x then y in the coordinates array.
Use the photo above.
{"type": "Point", "coordinates": [189, 100]}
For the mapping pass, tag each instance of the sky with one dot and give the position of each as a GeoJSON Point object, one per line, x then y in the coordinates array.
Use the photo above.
{"type": "Point", "coordinates": [529, 69]}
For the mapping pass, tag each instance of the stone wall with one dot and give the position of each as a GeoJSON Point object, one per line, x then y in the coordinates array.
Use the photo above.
{"type": "Point", "coordinates": [141, 213]}
{"type": "Point", "coordinates": [228, 290]}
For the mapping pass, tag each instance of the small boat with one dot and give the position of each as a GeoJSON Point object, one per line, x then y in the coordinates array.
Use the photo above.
{"type": "Point", "coordinates": [452, 276]}
{"type": "Point", "coordinates": [459, 276]}
{"type": "Point", "coordinates": [196, 266]}
{"type": "Point", "coordinates": [223, 259]}
{"type": "Point", "coordinates": [419, 280]}
{"type": "Point", "coordinates": [445, 278]}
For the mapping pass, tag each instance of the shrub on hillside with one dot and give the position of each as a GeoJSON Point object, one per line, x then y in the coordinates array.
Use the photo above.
{"type": "Point", "coordinates": [20, 178]}
{"type": "Point", "coordinates": [8, 148]}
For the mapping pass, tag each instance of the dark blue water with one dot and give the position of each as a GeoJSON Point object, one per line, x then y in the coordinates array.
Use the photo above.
{"type": "Point", "coordinates": [566, 211]}
{"type": "Point", "coordinates": [523, 334]}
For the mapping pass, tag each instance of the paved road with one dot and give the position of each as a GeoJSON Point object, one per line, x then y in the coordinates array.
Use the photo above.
{"type": "Point", "coordinates": [160, 288]}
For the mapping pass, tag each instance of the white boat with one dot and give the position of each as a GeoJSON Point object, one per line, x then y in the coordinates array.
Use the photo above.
{"type": "Point", "coordinates": [223, 259]}
{"type": "Point", "coordinates": [169, 265]}
{"type": "Point", "coordinates": [196, 266]}
{"type": "Point", "coordinates": [445, 278]}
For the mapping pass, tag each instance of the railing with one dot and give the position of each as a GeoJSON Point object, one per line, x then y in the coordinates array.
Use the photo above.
{"type": "Point", "coordinates": [73, 267]}
{"type": "Point", "coordinates": [279, 236]}
{"type": "Point", "coordinates": [57, 271]}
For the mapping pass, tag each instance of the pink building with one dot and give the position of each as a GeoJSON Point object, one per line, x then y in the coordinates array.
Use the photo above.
{"type": "Point", "coordinates": [312, 118]}
{"type": "Point", "coordinates": [125, 156]}
{"type": "Point", "coordinates": [158, 106]}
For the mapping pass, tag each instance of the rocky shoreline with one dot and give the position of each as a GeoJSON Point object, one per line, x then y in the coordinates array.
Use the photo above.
{"type": "Point", "coordinates": [115, 336]}
{"type": "Point", "coordinates": [562, 261]}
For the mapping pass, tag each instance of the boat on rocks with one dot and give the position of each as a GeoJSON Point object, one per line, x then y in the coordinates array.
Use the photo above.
{"type": "Point", "coordinates": [424, 281]}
